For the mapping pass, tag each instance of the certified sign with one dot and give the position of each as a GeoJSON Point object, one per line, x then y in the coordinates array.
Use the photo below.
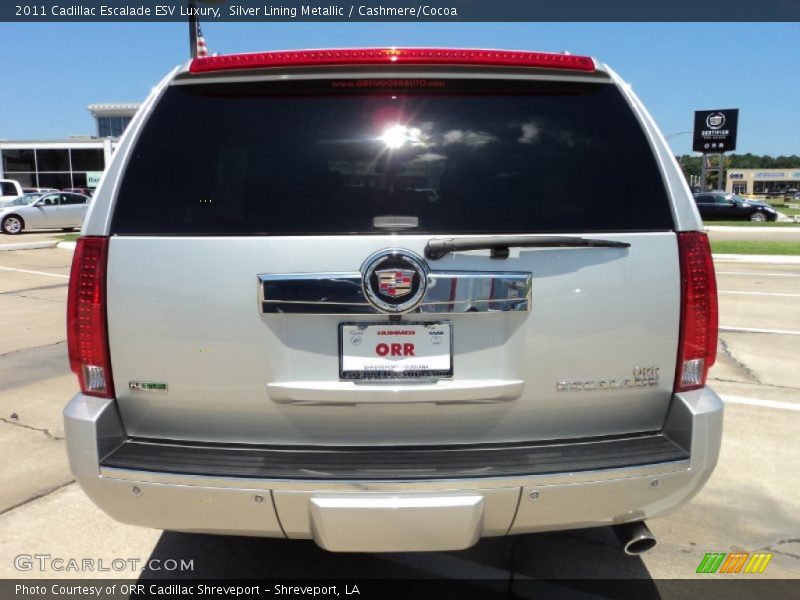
{"type": "Point", "coordinates": [715, 130]}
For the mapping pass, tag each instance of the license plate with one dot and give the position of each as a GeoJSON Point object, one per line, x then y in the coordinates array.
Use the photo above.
{"type": "Point", "coordinates": [376, 351]}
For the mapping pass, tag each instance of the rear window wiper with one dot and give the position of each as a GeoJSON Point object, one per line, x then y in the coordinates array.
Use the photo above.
{"type": "Point", "coordinates": [499, 245]}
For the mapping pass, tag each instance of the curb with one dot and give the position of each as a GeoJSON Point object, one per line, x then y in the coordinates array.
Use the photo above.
{"type": "Point", "coordinates": [28, 245]}
{"type": "Point", "coordinates": [776, 259]}
{"type": "Point", "coordinates": [66, 245]}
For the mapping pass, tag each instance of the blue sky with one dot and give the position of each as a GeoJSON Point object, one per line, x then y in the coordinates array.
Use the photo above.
{"type": "Point", "coordinates": [54, 71]}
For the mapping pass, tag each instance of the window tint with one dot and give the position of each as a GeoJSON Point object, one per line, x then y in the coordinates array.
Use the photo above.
{"type": "Point", "coordinates": [327, 158]}
{"type": "Point", "coordinates": [53, 160]}
{"type": "Point", "coordinates": [8, 189]}
{"type": "Point", "coordinates": [722, 199]}
{"type": "Point", "coordinates": [18, 160]}
{"type": "Point", "coordinates": [703, 199]}
{"type": "Point", "coordinates": [51, 200]}
{"type": "Point", "coordinates": [57, 181]}
{"type": "Point", "coordinates": [72, 199]}
{"type": "Point", "coordinates": [87, 160]}
{"type": "Point", "coordinates": [112, 126]}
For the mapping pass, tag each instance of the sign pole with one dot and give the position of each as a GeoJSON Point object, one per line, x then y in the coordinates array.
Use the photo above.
{"type": "Point", "coordinates": [720, 185]}
{"type": "Point", "coordinates": [704, 172]}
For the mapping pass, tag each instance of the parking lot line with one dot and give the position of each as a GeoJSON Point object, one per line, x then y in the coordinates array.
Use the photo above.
{"type": "Point", "coordinates": [756, 330]}
{"type": "Point", "coordinates": [741, 293]}
{"type": "Point", "coordinates": [45, 273]}
{"type": "Point", "coordinates": [758, 402]}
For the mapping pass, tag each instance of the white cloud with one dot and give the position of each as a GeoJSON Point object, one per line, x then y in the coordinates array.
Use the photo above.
{"type": "Point", "coordinates": [530, 133]}
{"type": "Point", "coordinates": [472, 139]}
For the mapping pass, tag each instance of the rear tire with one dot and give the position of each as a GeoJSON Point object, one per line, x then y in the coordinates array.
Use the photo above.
{"type": "Point", "coordinates": [758, 217]}
{"type": "Point", "coordinates": [13, 225]}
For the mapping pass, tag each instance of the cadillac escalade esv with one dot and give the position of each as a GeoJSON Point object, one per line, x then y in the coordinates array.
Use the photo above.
{"type": "Point", "coordinates": [391, 300]}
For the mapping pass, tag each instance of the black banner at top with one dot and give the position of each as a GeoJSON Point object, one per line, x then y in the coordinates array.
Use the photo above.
{"type": "Point", "coordinates": [399, 10]}
{"type": "Point", "coordinates": [396, 589]}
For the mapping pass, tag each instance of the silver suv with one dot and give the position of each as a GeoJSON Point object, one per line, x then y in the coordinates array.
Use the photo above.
{"type": "Point", "coordinates": [279, 330]}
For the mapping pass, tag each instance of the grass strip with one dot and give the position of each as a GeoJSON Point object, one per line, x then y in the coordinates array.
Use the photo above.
{"type": "Point", "coordinates": [756, 247]}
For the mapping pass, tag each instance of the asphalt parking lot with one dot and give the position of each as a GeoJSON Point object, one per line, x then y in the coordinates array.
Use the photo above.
{"type": "Point", "coordinates": [750, 504]}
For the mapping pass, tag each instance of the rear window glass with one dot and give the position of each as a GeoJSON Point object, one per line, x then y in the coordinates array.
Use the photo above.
{"type": "Point", "coordinates": [332, 157]}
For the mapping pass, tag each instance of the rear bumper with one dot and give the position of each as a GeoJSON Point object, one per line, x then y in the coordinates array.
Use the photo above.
{"type": "Point", "coordinates": [446, 503]}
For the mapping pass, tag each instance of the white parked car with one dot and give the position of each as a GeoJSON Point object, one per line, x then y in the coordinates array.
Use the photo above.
{"type": "Point", "coordinates": [59, 210]}
{"type": "Point", "coordinates": [267, 346]}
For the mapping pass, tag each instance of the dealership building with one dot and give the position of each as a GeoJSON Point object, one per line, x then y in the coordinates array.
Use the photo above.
{"type": "Point", "coordinates": [761, 182]}
{"type": "Point", "coordinates": [77, 161]}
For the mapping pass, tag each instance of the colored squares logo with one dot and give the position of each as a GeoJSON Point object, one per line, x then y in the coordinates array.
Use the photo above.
{"type": "Point", "coordinates": [734, 562]}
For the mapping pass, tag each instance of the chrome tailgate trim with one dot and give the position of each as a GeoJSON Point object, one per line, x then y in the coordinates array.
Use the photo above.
{"type": "Point", "coordinates": [343, 293]}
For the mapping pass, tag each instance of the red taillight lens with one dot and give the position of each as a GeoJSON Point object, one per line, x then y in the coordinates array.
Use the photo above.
{"type": "Point", "coordinates": [87, 331]}
{"type": "Point", "coordinates": [387, 56]}
{"type": "Point", "coordinates": [697, 348]}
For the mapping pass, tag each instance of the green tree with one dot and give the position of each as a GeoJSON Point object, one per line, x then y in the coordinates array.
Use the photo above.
{"type": "Point", "coordinates": [691, 165]}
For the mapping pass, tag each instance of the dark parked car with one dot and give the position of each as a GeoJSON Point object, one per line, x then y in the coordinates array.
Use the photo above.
{"type": "Point", "coordinates": [730, 207]}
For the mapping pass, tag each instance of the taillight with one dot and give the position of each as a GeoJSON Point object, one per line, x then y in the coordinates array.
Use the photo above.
{"type": "Point", "coordinates": [697, 349]}
{"type": "Point", "coordinates": [387, 56]}
{"type": "Point", "coordinates": [87, 330]}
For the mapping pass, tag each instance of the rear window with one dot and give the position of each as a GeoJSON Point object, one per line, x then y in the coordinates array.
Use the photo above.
{"type": "Point", "coordinates": [8, 189]}
{"type": "Point", "coordinates": [333, 157]}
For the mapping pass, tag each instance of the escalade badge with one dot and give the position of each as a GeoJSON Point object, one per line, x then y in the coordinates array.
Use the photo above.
{"type": "Point", "coordinates": [645, 376]}
{"type": "Point", "coordinates": [395, 280]}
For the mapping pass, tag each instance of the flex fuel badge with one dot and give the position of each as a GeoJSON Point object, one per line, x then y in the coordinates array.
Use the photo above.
{"type": "Point", "coordinates": [147, 386]}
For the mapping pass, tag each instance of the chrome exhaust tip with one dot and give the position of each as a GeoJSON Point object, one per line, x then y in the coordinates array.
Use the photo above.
{"type": "Point", "coordinates": [636, 538]}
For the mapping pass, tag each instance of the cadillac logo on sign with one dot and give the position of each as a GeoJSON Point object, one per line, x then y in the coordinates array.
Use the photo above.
{"type": "Point", "coordinates": [715, 120]}
{"type": "Point", "coordinates": [394, 280]}
{"type": "Point", "coordinates": [395, 283]}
